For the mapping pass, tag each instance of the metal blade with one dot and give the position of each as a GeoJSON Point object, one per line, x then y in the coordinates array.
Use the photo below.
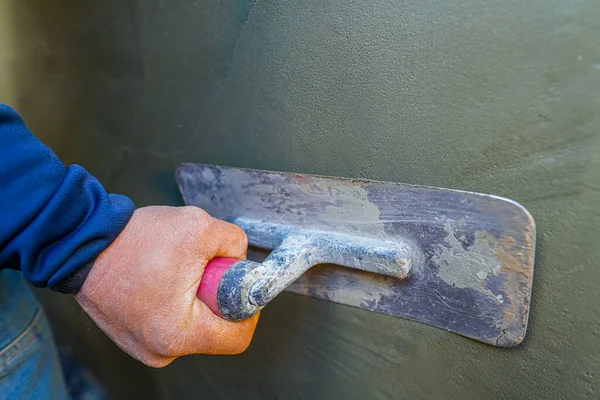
{"type": "Point", "coordinates": [472, 269]}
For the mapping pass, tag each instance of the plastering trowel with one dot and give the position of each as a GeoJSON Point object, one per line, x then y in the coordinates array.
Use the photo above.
{"type": "Point", "coordinates": [457, 260]}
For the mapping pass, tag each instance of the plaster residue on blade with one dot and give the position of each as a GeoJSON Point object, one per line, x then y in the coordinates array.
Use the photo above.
{"type": "Point", "coordinates": [352, 207]}
{"type": "Point", "coordinates": [499, 268]}
{"type": "Point", "coordinates": [309, 201]}
{"type": "Point", "coordinates": [468, 267]}
{"type": "Point", "coordinates": [300, 200]}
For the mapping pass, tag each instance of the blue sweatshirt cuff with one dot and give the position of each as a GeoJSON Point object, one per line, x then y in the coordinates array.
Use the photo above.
{"type": "Point", "coordinates": [55, 220]}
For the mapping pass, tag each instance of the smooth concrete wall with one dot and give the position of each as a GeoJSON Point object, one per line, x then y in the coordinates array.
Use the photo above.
{"type": "Point", "coordinates": [496, 97]}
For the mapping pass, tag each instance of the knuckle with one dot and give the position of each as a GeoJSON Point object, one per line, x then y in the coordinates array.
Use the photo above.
{"type": "Point", "coordinates": [241, 345]}
{"type": "Point", "coordinates": [196, 219]}
{"type": "Point", "coordinates": [196, 213]}
{"type": "Point", "coordinates": [242, 236]}
{"type": "Point", "coordinates": [153, 361]}
{"type": "Point", "coordinates": [227, 340]}
{"type": "Point", "coordinates": [159, 362]}
{"type": "Point", "coordinates": [165, 344]}
{"type": "Point", "coordinates": [242, 340]}
{"type": "Point", "coordinates": [163, 348]}
{"type": "Point", "coordinates": [168, 346]}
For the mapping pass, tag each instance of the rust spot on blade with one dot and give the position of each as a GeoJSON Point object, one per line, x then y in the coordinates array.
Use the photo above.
{"type": "Point", "coordinates": [517, 268]}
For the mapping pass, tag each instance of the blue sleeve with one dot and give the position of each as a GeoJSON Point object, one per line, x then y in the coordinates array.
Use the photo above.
{"type": "Point", "coordinates": [54, 220]}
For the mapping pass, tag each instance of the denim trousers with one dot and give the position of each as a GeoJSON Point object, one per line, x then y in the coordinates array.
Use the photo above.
{"type": "Point", "coordinates": [29, 362]}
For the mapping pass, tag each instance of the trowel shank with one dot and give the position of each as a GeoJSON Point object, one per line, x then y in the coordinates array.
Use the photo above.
{"type": "Point", "coordinates": [247, 286]}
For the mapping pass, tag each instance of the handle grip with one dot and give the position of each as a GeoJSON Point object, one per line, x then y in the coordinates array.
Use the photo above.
{"type": "Point", "coordinates": [209, 285]}
{"type": "Point", "coordinates": [238, 289]}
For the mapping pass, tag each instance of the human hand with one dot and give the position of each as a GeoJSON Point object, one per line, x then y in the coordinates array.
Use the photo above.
{"type": "Point", "coordinates": [141, 291]}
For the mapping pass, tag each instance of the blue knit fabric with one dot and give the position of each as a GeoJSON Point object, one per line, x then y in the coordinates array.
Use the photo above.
{"type": "Point", "coordinates": [54, 220]}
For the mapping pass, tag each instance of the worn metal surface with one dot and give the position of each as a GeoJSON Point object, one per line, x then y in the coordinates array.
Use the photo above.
{"type": "Point", "coordinates": [471, 255]}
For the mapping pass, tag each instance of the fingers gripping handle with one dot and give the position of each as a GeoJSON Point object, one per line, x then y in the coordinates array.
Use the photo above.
{"type": "Point", "coordinates": [238, 289]}
{"type": "Point", "coordinates": [226, 285]}
{"type": "Point", "coordinates": [209, 285]}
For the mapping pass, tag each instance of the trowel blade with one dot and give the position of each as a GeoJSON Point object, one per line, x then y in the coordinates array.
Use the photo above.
{"type": "Point", "coordinates": [473, 269]}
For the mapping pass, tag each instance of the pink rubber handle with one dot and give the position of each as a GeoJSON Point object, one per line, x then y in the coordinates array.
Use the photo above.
{"type": "Point", "coordinates": [209, 285]}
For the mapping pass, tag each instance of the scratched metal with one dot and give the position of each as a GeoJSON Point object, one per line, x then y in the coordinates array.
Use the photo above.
{"type": "Point", "coordinates": [471, 254]}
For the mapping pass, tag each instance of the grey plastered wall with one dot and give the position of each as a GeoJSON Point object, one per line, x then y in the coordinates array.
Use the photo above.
{"type": "Point", "coordinates": [496, 97]}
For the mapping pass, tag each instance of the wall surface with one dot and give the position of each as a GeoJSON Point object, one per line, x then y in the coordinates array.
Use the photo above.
{"type": "Point", "coordinates": [495, 97]}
